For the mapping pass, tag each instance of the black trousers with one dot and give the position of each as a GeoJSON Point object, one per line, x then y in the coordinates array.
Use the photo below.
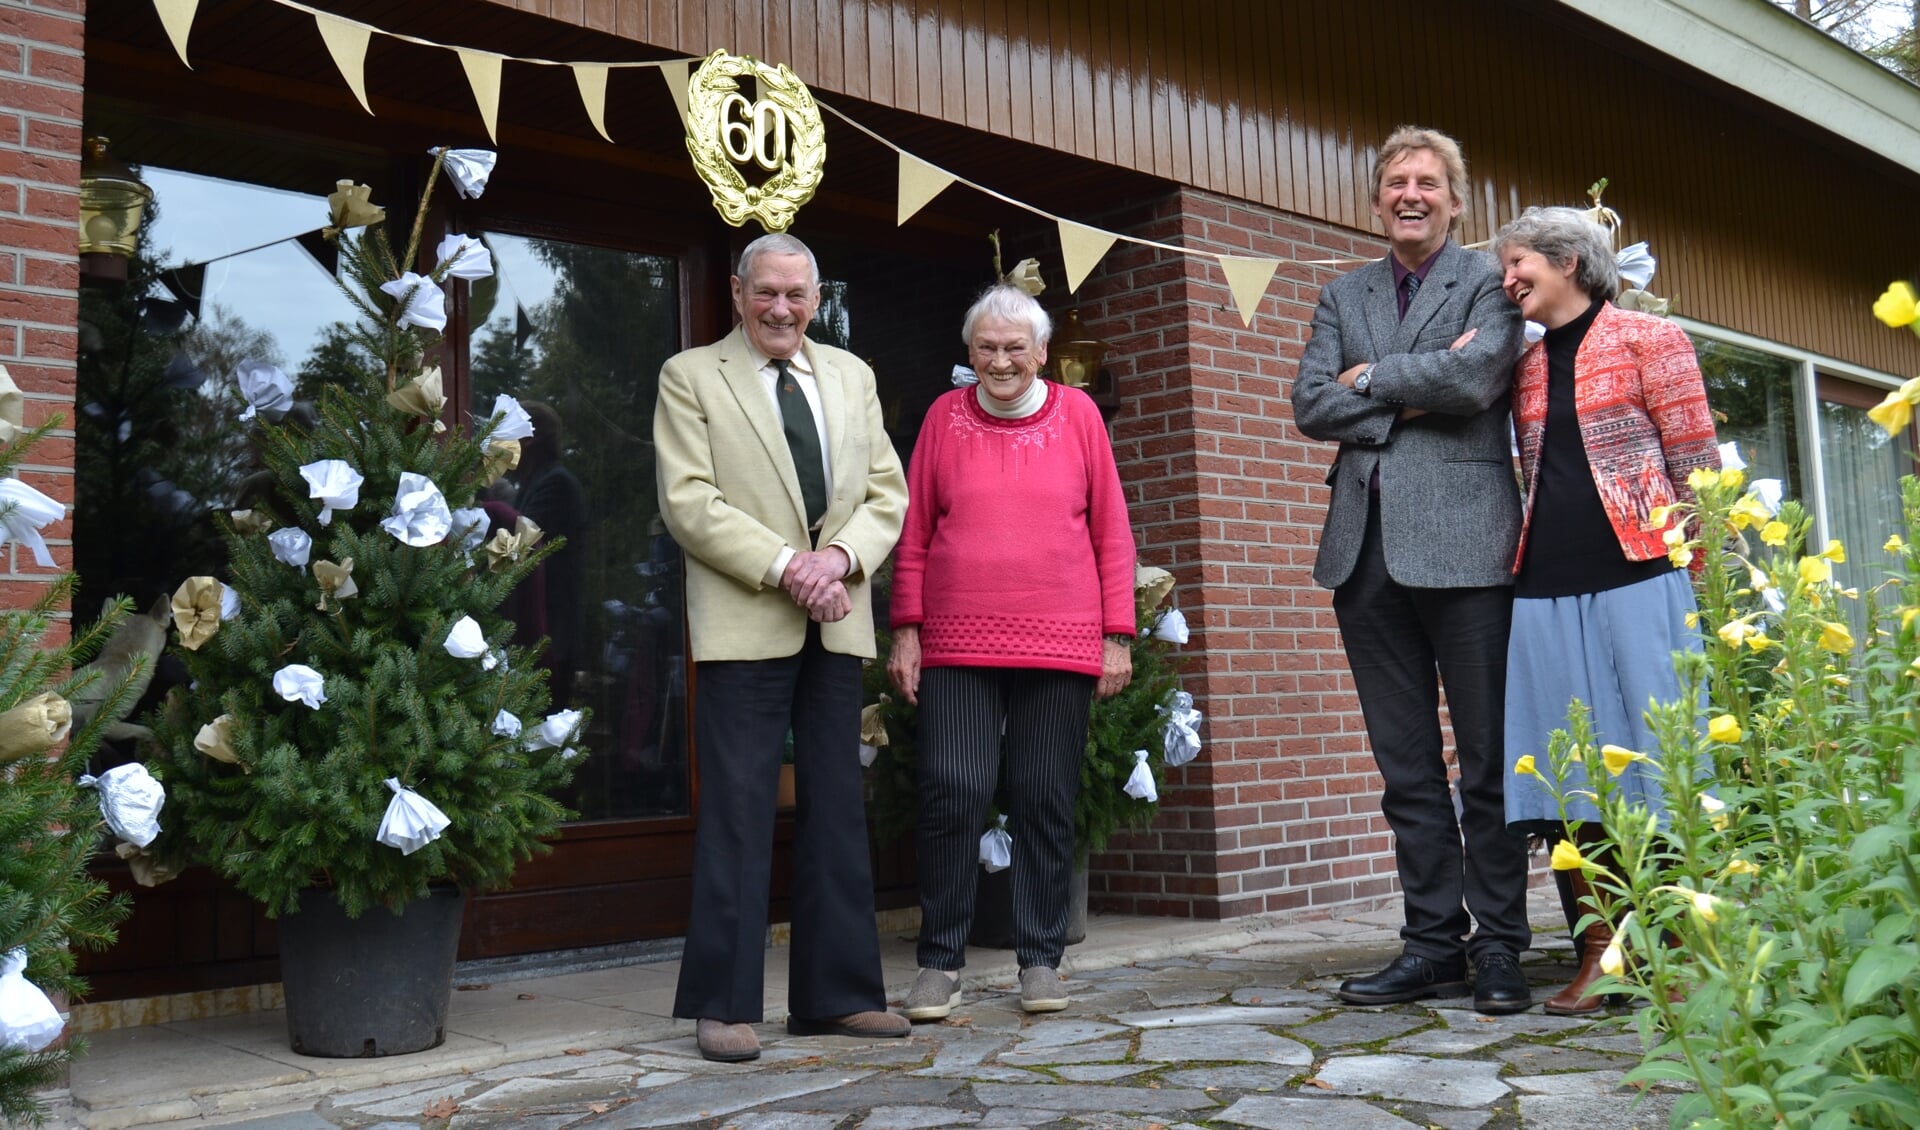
{"type": "Point", "coordinates": [742, 712]}
{"type": "Point", "coordinates": [963, 713]}
{"type": "Point", "coordinates": [1396, 639]}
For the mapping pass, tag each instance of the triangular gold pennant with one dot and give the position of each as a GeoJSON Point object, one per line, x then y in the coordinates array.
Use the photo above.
{"type": "Point", "coordinates": [347, 43]}
{"type": "Point", "coordinates": [675, 73]}
{"type": "Point", "coordinates": [1082, 247]}
{"type": "Point", "coordinates": [177, 17]}
{"type": "Point", "coordinates": [593, 92]}
{"type": "Point", "coordinates": [919, 184]}
{"type": "Point", "coordinates": [483, 74]}
{"type": "Point", "coordinates": [1248, 279]}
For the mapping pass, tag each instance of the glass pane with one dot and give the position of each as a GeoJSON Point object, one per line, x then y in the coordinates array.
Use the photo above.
{"type": "Point", "coordinates": [220, 277]}
{"type": "Point", "coordinates": [1752, 395]}
{"type": "Point", "coordinates": [1863, 465]}
{"type": "Point", "coordinates": [578, 334]}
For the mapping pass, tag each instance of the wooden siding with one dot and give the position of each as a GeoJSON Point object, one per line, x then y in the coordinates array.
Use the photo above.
{"type": "Point", "coordinates": [1761, 223]}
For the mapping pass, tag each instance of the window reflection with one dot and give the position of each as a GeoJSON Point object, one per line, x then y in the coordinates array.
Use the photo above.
{"type": "Point", "coordinates": [578, 334]}
{"type": "Point", "coordinates": [1862, 466]}
{"type": "Point", "coordinates": [1752, 396]}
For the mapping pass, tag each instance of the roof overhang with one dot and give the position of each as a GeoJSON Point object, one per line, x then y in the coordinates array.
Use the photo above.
{"type": "Point", "coordinates": [1779, 58]}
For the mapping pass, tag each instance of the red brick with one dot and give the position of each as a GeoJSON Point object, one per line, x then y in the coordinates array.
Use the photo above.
{"type": "Point", "coordinates": [56, 274]}
{"type": "Point", "coordinates": [57, 66]}
{"type": "Point", "coordinates": [12, 58]}
{"type": "Point", "coordinates": [43, 27]}
{"type": "Point", "coordinates": [39, 98]}
{"type": "Point", "coordinates": [55, 137]}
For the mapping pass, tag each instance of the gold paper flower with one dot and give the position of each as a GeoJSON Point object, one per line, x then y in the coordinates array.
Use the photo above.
{"type": "Point", "coordinates": [251, 521]}
{"type": "Point", "coordinates": [1151, 584]}
{"type": "Point", "coordinates": [1896, 306]}
{"type": "Point", "coordinates": [1566, 857]}
{"type": "Point", "coordinates": [1725, 728]}
{"type": "Point", "coordinates": [503, 455]}
{"type": "Point", "coordinates": [1026, 276]}
{"type": "Point", "coordinates": [13, 404]}
{"type": "Point", "coordinates": [336, 581]}
{"type": "Point", "coordinates": [873, 730]}
{"type": "Point", "coordinates": [33, 726]}
{"type": "Point", "coordinates": [196, 610]}
{"type": "Point", "coordinates": [424, 395]}
{"type": "Point", "coordinates": [508, 547]}
{"type": "Point", "coordinates": [351, 206]}
{"type": "Point", "coordinates": [215, 739]}
{"type": "Point", "coordinates": [1617, 758]}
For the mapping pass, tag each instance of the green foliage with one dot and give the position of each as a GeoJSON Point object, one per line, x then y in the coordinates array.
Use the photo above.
{"type": "Point", "coordinates": [1771, 924]}
{"type": "Point", "coordinates": [49, 828]}
{"type": "Point", "coordinates": [304, 802]}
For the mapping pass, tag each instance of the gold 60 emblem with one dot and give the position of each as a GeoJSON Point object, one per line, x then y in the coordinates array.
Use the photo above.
{"type": "Point", "coordinates": [781, 132]}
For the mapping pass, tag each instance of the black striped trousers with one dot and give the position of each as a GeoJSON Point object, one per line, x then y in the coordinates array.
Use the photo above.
{"type": "Point", "coordinates": [964, 711]}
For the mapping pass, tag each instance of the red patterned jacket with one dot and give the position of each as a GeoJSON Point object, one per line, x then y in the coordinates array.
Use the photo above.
{"type": "Point", "coordinates": [1643, 414]}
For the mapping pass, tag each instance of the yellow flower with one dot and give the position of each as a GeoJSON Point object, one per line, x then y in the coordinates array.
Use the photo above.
{"type": "Point", "coordinates": [1725, 728]}
{"type": "Point", "coordinates": [1704, 904]}
{"type": "Point", "coordinates": [1700, 478]}
{"type": "Point", "coordinates": [1759, 641]}
{"type": "Point", "coordinates": [1617, 758]}
{"type": "Point", "coordinates": [1716, 810]}
{"type": "Point", "coordinates": [1895, 544]}
{"type": "Point", "coordinates": [1612, 960]}
{"type": "Point", "coordinates": [1733, 478]}
{"type": "Point", "coordinates": [1749, 511]}
{"type": "Point", "coordinates": [1566, 857]}
{"type": "Point", "coordinates": [1693, 619]}
{"type": "Point", "coordinates": [1893, 414]}
{"type": "Point", "coordinates": [1906, 616]}
{"type": "Point", "coordinates": [1734, 632]}
{"type": "Point", "coordinates": [1896, 307]}
{"type": "Point", "coordinates": [1835, 637]}
{"type": "Point", "coordinates": [1815, 570]}
{"type": "Point", "coordinates": [1835, 552]}
{"type": "Point", "coordinates": [1774, 533]}
{"type": "Point", "coordinates": [1524, 764]}
{"type": "Point", "coordinates": [1681, 556]}
{"type": "Point", "coordinates": [1657, 517]}
{"type": "Point", "coordinates": [1742, 867]}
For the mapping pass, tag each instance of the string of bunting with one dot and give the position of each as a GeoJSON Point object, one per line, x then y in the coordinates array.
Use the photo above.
{"type": "Point", "coordinates": [1082, 246]}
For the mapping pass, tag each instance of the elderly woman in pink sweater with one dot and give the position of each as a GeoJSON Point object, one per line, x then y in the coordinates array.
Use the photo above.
{"type": "Point", "coordinates": [1012, 609]}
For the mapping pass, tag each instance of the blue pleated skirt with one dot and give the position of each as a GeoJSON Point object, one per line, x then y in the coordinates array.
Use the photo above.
{"type": "Point", "coordinates": [1613, 651]}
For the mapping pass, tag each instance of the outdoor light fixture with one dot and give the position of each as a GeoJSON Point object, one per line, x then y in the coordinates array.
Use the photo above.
{"type": "Point", "coordinates": [113, 201]}
{"type": "Point", "coordinates": [1076, 354]}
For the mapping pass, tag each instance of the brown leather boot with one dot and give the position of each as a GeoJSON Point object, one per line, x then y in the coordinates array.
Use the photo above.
{"type": "Point", "coordinates": [1574, 1000]}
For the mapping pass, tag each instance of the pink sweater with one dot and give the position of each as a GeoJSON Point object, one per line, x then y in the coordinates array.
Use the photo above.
{"type": "Point", "coordinates": [1016, 551]}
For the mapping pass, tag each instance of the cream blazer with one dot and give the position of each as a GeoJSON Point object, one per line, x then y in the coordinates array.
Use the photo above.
{"type": "Point", "coordinates": [730, 498]}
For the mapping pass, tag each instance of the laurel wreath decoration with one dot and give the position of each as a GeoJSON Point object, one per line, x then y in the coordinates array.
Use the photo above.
{"type": "Point", "coordinates": [778, 201]}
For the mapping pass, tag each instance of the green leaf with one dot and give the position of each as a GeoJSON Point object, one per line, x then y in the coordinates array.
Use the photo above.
{"type": "Point", "coordinates": [1877, 969]}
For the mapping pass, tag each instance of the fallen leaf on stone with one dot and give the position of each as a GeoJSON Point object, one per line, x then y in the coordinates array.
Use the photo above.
{"type": "Point", "coordinates": [574, 1051]}
{"type": "Point", "coordinates": [1486, 1019]}
{"type": "Point", "coordinates": [443, 1107]}
{"type": "Point", "coordinates": [472, 988]}
{"type": "Point", "coordinates": [1253, 1000]}
{"type": "Point", "coordinates": [598, 1108]}
{"type": "Point", "coordinates": [528, 997]}
{"type": "Point", "coordinates": [1320, 1083]}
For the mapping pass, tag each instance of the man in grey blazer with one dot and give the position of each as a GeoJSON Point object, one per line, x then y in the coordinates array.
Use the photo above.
{"type": "Point", "coordinates": [1409, 368]}
{"type": "Point", "coordinates": [777, 478]}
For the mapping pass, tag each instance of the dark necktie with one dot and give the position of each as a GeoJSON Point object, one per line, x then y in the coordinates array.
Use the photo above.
{"type": "Point", "coordinates": [803, 439]}
{"type": "Point", "coordinates": [1411, 287]}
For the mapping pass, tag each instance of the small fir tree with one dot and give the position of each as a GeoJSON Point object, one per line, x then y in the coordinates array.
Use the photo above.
{"type": "Point", "coordinates": [280, 796]}
{"type": "Point", "coordinates": [49, 827]}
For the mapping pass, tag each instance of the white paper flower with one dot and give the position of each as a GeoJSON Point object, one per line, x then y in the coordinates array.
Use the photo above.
{"type": "Point", "coordinates": [506, 725]}
{"type": "Point", "coordinates": [424, 304]}
{"type": "Point", "coordinates": [1182, 740]}
{"type": "Point", "coordinates": [514, 421]}
{"type": "Point", "coordinates": [267, 391]}
{"type": "Point", "coordinates": [1730, 457]}
{"type": "Point", "coordinates": [420, 515]}
{"type": "Point", "coordinates": [298, 682]}
{"type": "Point", "coordinates": [130, 799]}
{"type": "Point", "coordinates": [996, 847]}
{"type": "Point", "coordinates": [1532, 332]}
{"type": "Point", "coordinates": [1139, 784]}
{"type": "Point", "coordinates": [469, 169]}
{"type": "Point", "coordinates": [1171, 626]}
{"type": "Point", "coordinates": [468, 528]}
{"type": "Point", "coordinates": [23, 512]}
{"type": "Point", "coordinates": [229, 603]}
{"type": "Point", "coordinates": [28, 1019]}
{"type": "Point", "coordinates": [556, 731]}
{"type": "Point", "coordinates": [466, 641]}
{"type": "Point", "coordinates": [463, 257]}
{"type": "Point", "coordinates": [963, 376]}
{"type": "Point", "coordinates": [334, 484]}
{"type": "Point", "coordinates": [1636, 265]}
{"type": "Point", "coordinates": [411, 822]}
{"type": "Point", "coordinates": [1769, 493]}
{"type": "Point", "coordinates": [291, 546]}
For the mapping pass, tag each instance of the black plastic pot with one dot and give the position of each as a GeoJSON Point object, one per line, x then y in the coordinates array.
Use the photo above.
{"type": "Point", "coordinates": [376, 985]}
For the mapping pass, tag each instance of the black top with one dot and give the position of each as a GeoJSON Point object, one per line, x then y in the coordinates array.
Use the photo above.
{"type": "Point", "coordinates": [1571, 549]}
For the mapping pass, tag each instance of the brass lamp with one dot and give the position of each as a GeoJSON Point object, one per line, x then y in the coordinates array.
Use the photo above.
{"type": "Point", "coordinates": [113, 202]}
{"type": "Point", "coordinates": [1076, 354]}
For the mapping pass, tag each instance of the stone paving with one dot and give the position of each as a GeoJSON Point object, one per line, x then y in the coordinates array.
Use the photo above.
{"type": "Point", "coordinates": [1251, 1037]}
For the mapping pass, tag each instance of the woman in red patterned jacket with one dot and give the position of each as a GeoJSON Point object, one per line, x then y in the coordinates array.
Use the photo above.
{"type": "Point", "coordinates": [1611, 415]}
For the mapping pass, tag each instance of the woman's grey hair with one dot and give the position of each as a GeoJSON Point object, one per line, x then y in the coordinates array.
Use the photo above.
{"type": "Point", "coordinates": [1562, 236]}
{"type": "Point", "coordinates": [1010, 304]}
{"type": "Point", "coordinates": [777, 243]}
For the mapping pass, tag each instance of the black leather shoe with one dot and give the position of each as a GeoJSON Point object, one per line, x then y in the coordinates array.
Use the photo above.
{"type": "Point", "coordinates": [1407, 978]}
{"type": "Point", "coordinates": [1499, 986]}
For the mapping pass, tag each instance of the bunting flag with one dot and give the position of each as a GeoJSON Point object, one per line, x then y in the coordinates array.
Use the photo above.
{"type": "Point", "coordinates": [1248, 279]}
{"type": "Point", "coordinates": [325, 252]}
{"type": "Point", "coordinates": [187, 283]}
{"type": "Point", "coordinates": [483, 74]}
{"type": "Point", "coordinates": [675, 73]}
{"type": "Point", "coordinates": [1082, 247]}
{"type": "Point", "coordinates": [592, 81]}
{"type": "Point", "coordinates": [919, 184]}
{"type": "Point", "coordinates": [347, 43]}
{"type": "Point", "coordinates": [177, 17]}
{"type": "Point", "coordinates": [523, 327]}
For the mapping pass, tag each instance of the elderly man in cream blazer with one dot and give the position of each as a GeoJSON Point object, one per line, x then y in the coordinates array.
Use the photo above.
{"type": "Point", "coordinates": [777, 478]}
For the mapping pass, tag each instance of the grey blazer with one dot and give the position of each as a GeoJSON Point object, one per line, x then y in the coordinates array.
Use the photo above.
{"type": "Point", "coordinates": [1449, 504]}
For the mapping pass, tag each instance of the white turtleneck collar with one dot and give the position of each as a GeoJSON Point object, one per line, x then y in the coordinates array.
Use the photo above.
{"type": "Point", "coordinates": [1026, 405]}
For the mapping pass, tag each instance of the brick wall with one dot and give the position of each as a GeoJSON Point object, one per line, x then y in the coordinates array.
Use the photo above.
{"type": "Point", "coordinates": [40, 108]}
{"type": "Point", "coordinates": [1281, 810]}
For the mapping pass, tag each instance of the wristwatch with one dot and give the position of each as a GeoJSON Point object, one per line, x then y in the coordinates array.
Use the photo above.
{"type": "Point", "coordinates": [1364, 381]}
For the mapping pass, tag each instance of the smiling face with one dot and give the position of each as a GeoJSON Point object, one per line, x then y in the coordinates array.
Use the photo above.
{"type": "Point", "coordinates": [776, 303]}
{"type": "Point", "coordinates": [1545, 293]}
{"type": "Point", "coordinates": [1416, 205]}
{"type": "Point", "coordinates": [1005, 356]}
